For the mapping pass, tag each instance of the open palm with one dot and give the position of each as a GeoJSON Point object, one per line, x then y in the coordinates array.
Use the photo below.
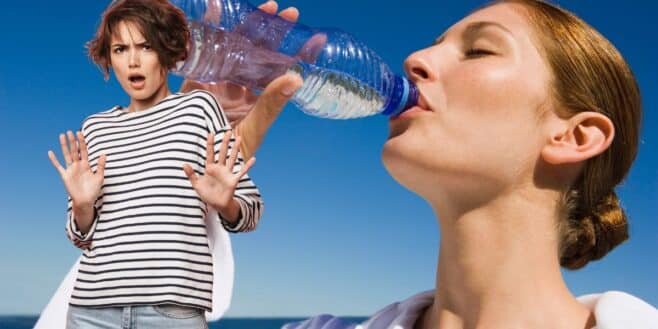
{"type": "Point", "coordinates": [217, 185]}
{"type": "Point", "coordinates": [82, 184]}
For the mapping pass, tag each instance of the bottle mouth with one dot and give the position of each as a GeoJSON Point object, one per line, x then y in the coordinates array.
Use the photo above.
{"type": "Point", "coordinates": [404, 97]}
{"type": "Point", "coordinates": [412, 99]}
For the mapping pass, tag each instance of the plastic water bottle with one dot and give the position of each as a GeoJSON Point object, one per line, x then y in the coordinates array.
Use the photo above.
{"type": "Point", "coordinates": [235, 41]}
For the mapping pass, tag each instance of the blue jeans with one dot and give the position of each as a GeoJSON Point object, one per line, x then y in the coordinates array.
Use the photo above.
{"type": "Point", "coordinates": [136, 317]}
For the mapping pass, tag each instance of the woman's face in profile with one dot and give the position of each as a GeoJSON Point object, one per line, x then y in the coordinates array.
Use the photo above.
{"type": "Point", "coordinates": [483, 85]}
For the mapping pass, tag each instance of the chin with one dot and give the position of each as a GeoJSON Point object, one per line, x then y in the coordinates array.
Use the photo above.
{"type": "Point", "coordinates": [142, 94]}
{"type": "Point", "coordinates": [392, 151]}
{"type": "Point", "coordinates": [397, 128]}
{"type": "Point", "coordinates": [134, 94]}
{"type": "Point", "coordinates": [411, 164]}
{"type": "Point", "coordinates": [401, 163]}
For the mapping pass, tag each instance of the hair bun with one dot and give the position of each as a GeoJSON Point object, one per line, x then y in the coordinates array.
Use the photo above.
{"type": "Point", "coordinates": [590, 235]}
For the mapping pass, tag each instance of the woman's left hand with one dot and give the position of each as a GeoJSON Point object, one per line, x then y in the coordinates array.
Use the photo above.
{"type": "Point", "coordinates": [216, 187]}
{"type": "Point", "coordinates": [238, 101]}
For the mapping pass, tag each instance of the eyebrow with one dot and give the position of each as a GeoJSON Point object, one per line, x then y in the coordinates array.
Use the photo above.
{"type": "Point", "coordinates": [123, 44]}
{"type": "Point", "coordinates": [475, 27]}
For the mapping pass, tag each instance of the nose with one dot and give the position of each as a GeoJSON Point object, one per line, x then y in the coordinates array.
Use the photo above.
{"type": "Point", "coordinates": [417, 67]}
{"type": "Point", "coordinates": [134, 59]}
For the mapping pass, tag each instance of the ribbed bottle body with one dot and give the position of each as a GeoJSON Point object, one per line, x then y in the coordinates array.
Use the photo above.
{"type": "Point", "coordinates": [343, 78]}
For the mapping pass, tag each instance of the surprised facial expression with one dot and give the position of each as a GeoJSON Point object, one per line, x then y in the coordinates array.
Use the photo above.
{"type": "Point", "coordinates": [135, 63]}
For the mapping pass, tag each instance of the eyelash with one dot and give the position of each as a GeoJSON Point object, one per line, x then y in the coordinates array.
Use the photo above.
{"type": "Point", "coordinates": [121, 49]}
{"type": "Point", "coordinates": [477, 52]}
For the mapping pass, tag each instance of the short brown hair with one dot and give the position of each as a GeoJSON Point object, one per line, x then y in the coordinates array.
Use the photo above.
{"type": "Point", "coordinates": [162, 24]}
{"type": "Point", "coordinates": [589, 74]}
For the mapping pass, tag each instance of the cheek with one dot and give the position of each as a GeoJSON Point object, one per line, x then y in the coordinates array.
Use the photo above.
{"type": "Point", "coordinates": [493, 99]}
{"type": "Point", "coordinates": [483, 88]}
{"type": "Point", "coordinates": [155, 67]}
{"type": "Point", "coordinates": [116, 64]}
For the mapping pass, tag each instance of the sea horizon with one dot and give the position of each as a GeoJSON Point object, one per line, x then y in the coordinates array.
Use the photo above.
{"type": "Point", "coordinates": [28, 322]}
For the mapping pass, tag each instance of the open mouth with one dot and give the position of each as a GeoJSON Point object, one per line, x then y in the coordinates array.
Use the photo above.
{"type": "Point", "coordinates": [137, 81]}
{"type": "Point", "coordinates": [136, 78]}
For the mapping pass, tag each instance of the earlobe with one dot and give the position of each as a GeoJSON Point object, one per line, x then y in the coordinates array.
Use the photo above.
{"type": "Point", "coordinates": [585, 135]}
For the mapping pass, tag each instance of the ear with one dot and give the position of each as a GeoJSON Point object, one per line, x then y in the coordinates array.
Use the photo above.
{"type": "Point", "coordinates": [581, 137]}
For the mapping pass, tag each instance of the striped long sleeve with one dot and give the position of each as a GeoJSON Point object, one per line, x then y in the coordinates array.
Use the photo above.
{"type": "Point", "coordinates": [148, 244]}
{"type": "Point", "coordinates": [79, 239]}
{"type": "Point", "coordinates": [246, 193]}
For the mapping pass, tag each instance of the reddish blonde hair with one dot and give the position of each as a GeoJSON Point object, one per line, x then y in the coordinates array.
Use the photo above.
{"type": "Point", "coordinates": [589, 74]}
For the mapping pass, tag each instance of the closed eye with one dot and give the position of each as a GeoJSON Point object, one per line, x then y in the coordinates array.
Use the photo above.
{"type": "Point", "coordinates": [477, 52]}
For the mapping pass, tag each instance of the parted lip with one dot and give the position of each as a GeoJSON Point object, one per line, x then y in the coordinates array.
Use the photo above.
{"type": "Point", "coordinates": [422, 103]}
{"type": "Point", "coordinates": [135, 76]}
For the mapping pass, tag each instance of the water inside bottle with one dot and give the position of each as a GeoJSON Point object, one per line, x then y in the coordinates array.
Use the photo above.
{"type": "Point", "coordinates": [335, 95]}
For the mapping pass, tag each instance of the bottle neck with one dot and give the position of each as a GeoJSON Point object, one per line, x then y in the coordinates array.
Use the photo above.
{"type": "Point", "coordinates": [403, 97]}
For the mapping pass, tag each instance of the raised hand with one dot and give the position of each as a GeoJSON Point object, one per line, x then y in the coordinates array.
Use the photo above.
{"type": "Point", "coordinates": [217, 186]}
{"type": "Point", "coordinates": [82, 184]}
{"type": "Point", "coordinates": [236, 100]}
{"type": "Point", "coordinates": [239, 102]}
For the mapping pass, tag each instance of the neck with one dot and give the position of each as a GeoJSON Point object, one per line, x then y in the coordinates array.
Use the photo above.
{"type": "Point", "coordinates": [498, 268]}
{"type": "Point", "coordinates": [148, 102]}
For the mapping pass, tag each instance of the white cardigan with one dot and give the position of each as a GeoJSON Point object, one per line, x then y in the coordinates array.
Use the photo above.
{"type": "Point", "coordinates": [612, 310]}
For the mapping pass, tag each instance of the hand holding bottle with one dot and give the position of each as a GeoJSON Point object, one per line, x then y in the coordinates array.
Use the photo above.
{"type": "Point", "coordinates": [343, 78]}
{"type": "Point", "coordinates": [239, 102]}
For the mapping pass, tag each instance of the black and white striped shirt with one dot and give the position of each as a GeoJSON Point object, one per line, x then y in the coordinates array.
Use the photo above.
{"type": "Point", "coordinates": [148, 243]}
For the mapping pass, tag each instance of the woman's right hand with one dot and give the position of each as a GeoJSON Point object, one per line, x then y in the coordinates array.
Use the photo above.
{"type": "Point", "coordinates": [82, 184]}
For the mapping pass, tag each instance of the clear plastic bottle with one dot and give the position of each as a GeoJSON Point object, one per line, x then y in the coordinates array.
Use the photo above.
{"type": "Point", "coordinates": [343, 78]}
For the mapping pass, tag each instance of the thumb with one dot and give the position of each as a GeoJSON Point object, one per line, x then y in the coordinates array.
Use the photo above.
{"type": "Point", "coordinates": [269, 104]}
{"type": "Point", "coordinates": [277, 94]}
{"type": "Point", "coordinates": [191, 175]}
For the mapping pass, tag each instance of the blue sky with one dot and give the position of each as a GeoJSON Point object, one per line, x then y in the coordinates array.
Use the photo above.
{"type": "Point", "coordinates": [339, 235]}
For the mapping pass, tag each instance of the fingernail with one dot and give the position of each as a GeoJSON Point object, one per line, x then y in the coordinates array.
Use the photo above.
{"type": "Point", "coordinates": [288, 91]}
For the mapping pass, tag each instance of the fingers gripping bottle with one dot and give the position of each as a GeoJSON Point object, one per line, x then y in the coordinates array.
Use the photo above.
{"type": "Point", "coordinates": [233, 40]}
